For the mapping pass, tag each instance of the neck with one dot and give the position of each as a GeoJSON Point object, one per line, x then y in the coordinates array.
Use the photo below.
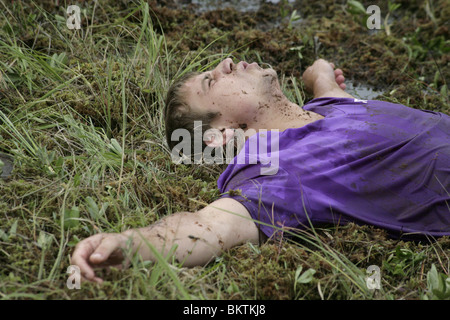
{"type": "Point", "coordinates": [282, 115]}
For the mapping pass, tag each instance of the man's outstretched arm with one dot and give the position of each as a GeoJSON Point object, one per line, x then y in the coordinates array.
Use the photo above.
{"type": "Point", "coordinates": [199, 236]}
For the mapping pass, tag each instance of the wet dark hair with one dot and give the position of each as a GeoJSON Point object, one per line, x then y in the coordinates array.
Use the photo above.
{"type": "Point", "coordinates": [178, 114]}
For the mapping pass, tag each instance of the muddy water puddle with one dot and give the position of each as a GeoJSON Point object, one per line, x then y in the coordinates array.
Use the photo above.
{"type": "Point", "coordinates": [363, 91]}
{"type": "Point", "coordinates": [242, 6]}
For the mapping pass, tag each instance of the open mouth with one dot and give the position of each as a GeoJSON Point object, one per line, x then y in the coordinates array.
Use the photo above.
{"type": "Point", "coordinates": [246, 65]}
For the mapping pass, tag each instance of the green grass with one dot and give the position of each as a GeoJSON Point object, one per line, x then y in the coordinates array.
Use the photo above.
{"type": "Point", "coordinates": [81, 112]}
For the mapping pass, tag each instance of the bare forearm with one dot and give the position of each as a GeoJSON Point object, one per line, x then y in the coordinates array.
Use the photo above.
{"type": "Point", "coordinates": [199, 236]}
{"type": "Point", "coordinates": [197, 240]}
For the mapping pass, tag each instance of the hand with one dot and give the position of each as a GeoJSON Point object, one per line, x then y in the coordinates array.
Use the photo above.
{"type": "Point", "coordinates": [101, 250]}
{"type": "Point", "coordinates": [321, 73]}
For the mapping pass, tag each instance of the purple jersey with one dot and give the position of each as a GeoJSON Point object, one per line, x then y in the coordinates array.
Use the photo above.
{"type": "Point", "coordinates": [369, 162]}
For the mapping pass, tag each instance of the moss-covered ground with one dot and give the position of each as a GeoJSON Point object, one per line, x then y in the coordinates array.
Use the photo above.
{"type": "Point", "coordinates": [81, 112]}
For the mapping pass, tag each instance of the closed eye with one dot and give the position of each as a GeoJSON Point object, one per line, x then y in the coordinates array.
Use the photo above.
{"type": "Point", "coordinates": [210, 80]}
{"type": "Point", "coordinates": [206, 82]}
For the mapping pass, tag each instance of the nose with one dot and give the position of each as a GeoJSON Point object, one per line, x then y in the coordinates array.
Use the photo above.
{"type": "Point", "coordinates": [226, 66]}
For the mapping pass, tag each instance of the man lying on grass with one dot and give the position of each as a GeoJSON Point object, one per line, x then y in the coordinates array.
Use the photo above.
{"type": "Point", "coordinates": [340, 160]}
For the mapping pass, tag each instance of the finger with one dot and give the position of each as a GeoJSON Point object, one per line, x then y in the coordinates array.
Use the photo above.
{"type": "Point", "coordinates": [81, 255]}
{"type": "Point", "coordinates": [115, 258]}
{"type": "Point", "coordinates": [332, 65]}
{"type": "Point", "coordinates": [338, 72]}
{"type": "Point", "coordinates": [340, 79]}
{"type": "Point", "coordinates": [109, 244]}
{"type": "Point", "coordinates": [93, 279]}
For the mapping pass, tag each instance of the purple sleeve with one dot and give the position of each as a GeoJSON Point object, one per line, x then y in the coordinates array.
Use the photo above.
{"type": "Point", "coordinates": [275, 202]}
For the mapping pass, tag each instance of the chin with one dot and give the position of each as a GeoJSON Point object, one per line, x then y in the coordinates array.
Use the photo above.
{"type": "Point", "coordinates": [270, 80]}
{"type": "Point", "coordinates": [269, 75]}
{"type": "Point", "coordinates": [269, 71]}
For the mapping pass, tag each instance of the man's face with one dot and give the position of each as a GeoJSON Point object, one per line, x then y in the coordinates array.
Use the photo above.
{"type": "Point", "coordinates": [238, 91]}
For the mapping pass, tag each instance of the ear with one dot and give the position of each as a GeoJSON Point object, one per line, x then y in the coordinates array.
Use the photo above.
{"type": "Point", "coordinates": [215, 138]}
